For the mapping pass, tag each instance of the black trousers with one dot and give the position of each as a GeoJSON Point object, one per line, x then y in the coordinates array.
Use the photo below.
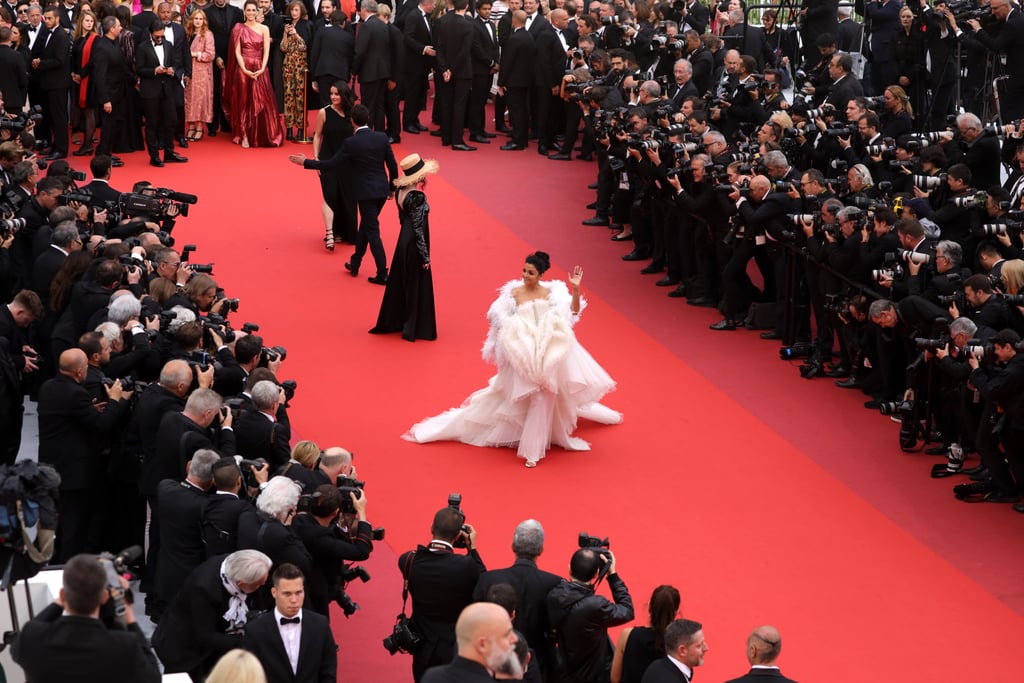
{"type": "Point", "coordinates": [453, 116]}
{"type": "Point", "coordinates": [110, 125]}
{"type": "Point", "coordinates": [75, 510]}
{"type": "Point", "coordinates": [220, 120]}
{"type": "Point", "coordinates": [369, 235]}
{"type": "Point", "coordinates": [415, 88]}
{"type": "Point", "coordinates": [55, 112]}
{"type": "Point", "coordinates": [375, 97]}
{"type": "Point", "coordinates": [518, 114]}
{"type": "Point", "coordinates": [479, 90]}
{"type": "Point", "coordinates": [161, 117]}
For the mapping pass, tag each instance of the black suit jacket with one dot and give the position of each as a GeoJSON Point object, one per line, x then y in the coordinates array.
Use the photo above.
{"type": "Point", "coordinates": [455, 38]}
{"type": "Point", "coordinates": [180, 508]}
{"type": "Point", "coordinates": [663, 671]}
{"type": "Point", "coordinates": [485, 53]}
{"type": "Point", "coordinates": [279, 542]}
{"type": "Point", "coordinates": [368, 154]}
{"type": "Point", "coordinates": [549, 62]}
{"type": "Point", "coordinates": [318, 653]}
{"type": "Point", "coordinates": [842, 92]}
{"type": "Point", "coordinates": [192, 631]}
{"type": "Point", "coordinates": [257, 437]}
{"type": "Point", "coordinates": [417, 36]}
{"type": "Point", "coordinates": [150, 408]}
{"type": "Point", "coordinates": [152, 85]}
{"type": "Point", "coordinates": [44, 270]}
{"type": "Point", "coordinates": [101, 190]}
{"type": "Point", "coordinates": [220, 522]}
{"type": "Point", "coordinates": [373, 52]}
{"type": "Point", "coordinates": [13, 78]}
{"type": "Point", "coordinates": [703, 63]}
{"type": "Point", "coordinates": [698, 16]}
{"type": "Point", "coordinates": [178, 438]}
{"type": "Point", "coordinates": [182, 45]}
{"type": "Point", "coordinates": [141, 23]}
{"type": "Point", "coordinates": [517, 57]}
{"type": "Point", "coordinates": [329, 550]}
{"type": "Point", "coordinates": [54, 57]}
{"type": "Point", "coordinates": [762, 676]}
{"type": "Point", "coordinates": [53, 647]}
{"type": "Point", "coordinates": [332, 53]}
{"type": "Point", "coordinates": [461, 670]}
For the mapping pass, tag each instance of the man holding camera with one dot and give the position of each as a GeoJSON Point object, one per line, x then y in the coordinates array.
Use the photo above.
{"type": "Point", "coordinates": [68, 642]}
{"type": "Point", "coordinates": [582, 618]}
{"type": "Point", "coordinates": [441, 584]}
{"type": "Point", "coordinates": [258, 434]}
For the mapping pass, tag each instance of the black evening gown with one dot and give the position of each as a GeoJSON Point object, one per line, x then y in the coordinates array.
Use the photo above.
{"type": "Point", "coordinates": [336, 183]}
{"type": "Point", "coordinates": [408, 305]}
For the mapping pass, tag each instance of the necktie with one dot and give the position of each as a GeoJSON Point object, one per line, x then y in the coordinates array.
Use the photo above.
{"type": "Point", "coordinates": [293, 620]}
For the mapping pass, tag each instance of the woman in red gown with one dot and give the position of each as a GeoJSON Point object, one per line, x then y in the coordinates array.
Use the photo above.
{"type": "Point", "coordinates": [248, 95]}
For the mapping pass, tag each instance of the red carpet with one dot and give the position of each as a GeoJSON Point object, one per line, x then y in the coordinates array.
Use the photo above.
{"type": "Point", "coordinates": [763, 497]}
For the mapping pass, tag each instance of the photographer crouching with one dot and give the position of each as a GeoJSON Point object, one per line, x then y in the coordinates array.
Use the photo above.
{"type": "Point", "coordinates": [68, 642]}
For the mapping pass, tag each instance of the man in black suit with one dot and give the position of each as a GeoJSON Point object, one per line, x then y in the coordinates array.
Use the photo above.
{"type": "Point", "coordinates": [456, 41]}
{"type": "Point", "coordinates": [763, 648]}
{"type": "Point", "coordinates": [372, 63]}
{"type": "Point", "coordinates": [257, 433]}
{"type": "Point", "coordinates": [226, 505]}
{"type": "Point", "coordinates": [20, 359]}
{"type": "Point", "coordinates": [63, 240]}
{"type": "Point", "coordinates": [68, 423]}
{"type": "Point", "coordinates": [180, 506]}
{"type": "Point", "coordinates": [294, 645]}
{"type": "Point", "coordinates": [68, 642]}
{"type": "Point", "coordinates": [419, 60]}
{"type": "Point", "coordinates": [100, 167]}
{"type": "Point", "coordinates": [51, 58]}
{"type": "Point", "coordinates": [174, 36]}
{"type": "Point", "coordinates": [697, 16]}
{"type": "Point", "coordinates": [208, 616]}
{"type": "Point", "coordinates": [485, 65]}
{"type": "Point", "coordinates": [1011, 104]}
{"type": "Point", "coordinates": [441, 584]}
{"type": "Point", "coordinates": [682, 85]}
{"type": "Point", "coordinates": [373, 165]}
{"type": "Point", "coordinates": [486, 643]}
{"type": "Point", "coordinates": [532, 586]}
{"type": "Point", "coordinates": [13, 73]}
{"type": "Point", "coordinates": [331, 56]}
{"type": "Point", "coordinates": [845, 85]}
{"type": "Point", "coordinates": [515, 78]}
{"type": "Point", "coordinates": [160, 70]}
{"type": "Point", "coordinates": [112, 78]}
{"type": "Point", "coordinates": [702, 61]}
{"type": "Point", "coordinates": [143, 20]}
{"type": "Point", "coordinates": [685, 648]}
{"type": "Point", "coordinates": [221, 17]}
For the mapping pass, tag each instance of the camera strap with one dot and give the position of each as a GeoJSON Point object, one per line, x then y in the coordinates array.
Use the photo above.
{"type": "Point", "coordinates": [406, 575]}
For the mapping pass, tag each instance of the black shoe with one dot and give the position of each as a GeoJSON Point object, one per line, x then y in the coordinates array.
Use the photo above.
{"type": "Point", "coordinates": [651, 269]}
{"type": "Point", "coordinates": [724, 324]}
{"type": "Point", "coordinates": [771, 335]}
{"type": "Point", "coordinates": [619, 237]}
{"type": "Point", "coordinates": [412, 130]}
{"type": "Point", "coordinates": [839, 371]}
{"type": "Point", "coordinates": [512, 147]}
{"type": "Point", "coordinates": [668, 281]}
{"type": "Point", "coordinates": [463, 148]}
{"type": "Point", "coordinates": [977, 470]}
{"type": "Point", "coordinates": [421, 128]}
{"type": "Point", "coordinates": [182, 142]}
{"type": "Point", "coordinates": [873, 404]}
{"type": "Point", "coordinates": [116, 163]}
{"type": "Point", "coordinates": [289, 136]}
{"type": "Point", "coordinates": [543, 149]}
{"type": "Point", "coordinates": [82, 151]}
{"type": "Point", "coordinates": [592, 186]}
{"type": "Point", "coordinates": [981, 475]}
{"type": "Point", "coordinates": [560, 157]}
{"type": "Point", "coordinates": [943, 472]}
{"type": "Point", "coordinates": [936, 450]}
{"type": "Point", "coordinates": [848, 383]}
{"type": "Point", "coordinates": [635, 256]}
{"type": "Point", "coordinates": [596, 220]}
{"type": "Point", "coordinates": [1019, 507]}
{"type": "Point", "coordinates": [584, 157]}
{"type": "Point", "coordinates": [435, 133]}
{"type": "Point", "coordinates": [1001, 497]}
{"type": "Point", "coordinates": [480, 139]}
{"type": "Point", "coordinates": [702, 301]}
{"type": "Point", "coordinates": [352, 269]}
{"type": "Point", "coordinates": [211, 133]}
{"type": "Point", "coordinates": [678, 293]}
{"type": "Point", "coordinates": [155, 161]}
{"type": "Point", "coordinates": [56, 155]}
{"type": "Point", "coordinates": [394, 140]}
{"type": "Point", "coordinates": [503, 129]}
{"type": "Point", "coordinates": [378, 279]}
{"type": "Point", "coordinates": [488, 135]}
{"type": "Point", "coordinates": [174, 157]}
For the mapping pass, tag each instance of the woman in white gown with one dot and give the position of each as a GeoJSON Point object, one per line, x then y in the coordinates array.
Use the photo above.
{"type": "Point", "coordinates": [545, 379]}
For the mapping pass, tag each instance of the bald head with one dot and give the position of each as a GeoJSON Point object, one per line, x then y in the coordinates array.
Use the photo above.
{"type": "Point", "coordinates": [73, 362]}
{"type": "Point", "coordinates": [176, 377]}
{"type": "Point", "coordinates": [336, 461]}
{"type": "Point", "coordinates": [484, 635]}
{"type": "Point", "coordinates": [764, 645]}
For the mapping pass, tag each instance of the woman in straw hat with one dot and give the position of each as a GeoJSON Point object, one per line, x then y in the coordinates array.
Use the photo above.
{"type": "Point", "coordinates": [408, 305]}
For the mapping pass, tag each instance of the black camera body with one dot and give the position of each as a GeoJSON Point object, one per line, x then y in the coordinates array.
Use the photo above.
{"type": "Point", "coordinates": [403, 638]}
{"type": "Point", "coordinates": [455, 502]}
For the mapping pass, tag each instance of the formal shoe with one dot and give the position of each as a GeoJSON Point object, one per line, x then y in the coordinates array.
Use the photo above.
{"type": "Point", "coordinates": [838, 371]}
{"type": "Point", "coordinates": [503, 129]}
{"type": "Point", "coordinates": [667, 282]}
{"type": "Point", "coordinates": [974, 492]}
{"type": "Point", "coordinates": [616, 227]}
{"type": "Point", "coordinates": [116, 163]}
{"type": "Point", "coordinates": [174, 157]}
{"type": "Point", "coordinates": [560, 157]}
{"type": "Point", "coordinates": [942, 472]}
{"type": "Point", "coordinates": [1001, 497]}
{"type": "Point", "coordinates": [976, 470]}
{"type": "Point", "coordinates": [182, 142]}
{"type": "Point", "coordinates": [421, 128]}
{"type": "Point", "coordinates": [584, 157]}
{"type": "Point", "coordinates": [56, 155]}
{"type": "Point", "coordinates": [635, 256]}
{"type": "Point", "coordinates": [394, 141]}
{"type": "Point", "coordinates": [983, 475]}
{"type": "Point", "coordinates": [936, 450]}
{"type": "Point", "coordinates": [155, 161]}
{"type": "Point", "coordinates": [1019, 507]}
{"type": "Point", "coordinates": [592, 186]}
{"type": "Point", "coordinates": [479, 139]}
{"type": "Point", "coordinates": [289, 136]}
{"type": "Point", "coordinates": [411, 130]}
{"type": "Point", "coordinates": [212, 133]}
{"type": "Point", "coordinates": [596, 220]}
{"type": "Point", "coordinates": [848, 383]}
{"type": "Point", "coordinates": [621, 237]}
{"type": "Point", "coordinates": [82, 151]}
{"type": "Point", "coordinates": [463, 148]}
{"type": "Point", "coordinates": [488, 135]}
{"type": "Point", "coordinates": [592, 206]}
{"type": "Point", "coordinates": [378, 279]}
{"type": "Point", "coordinates": [512, 147]}
{"type": "Point", "coordinates": [435, 133]}
{"type": "Point", "coordinates": [678, 293]}
{"type": "Point", "coordinates": [724, 324]}
{"type": "Point", "coordinates": [543, 149]}
{"type": "Point", "coordinates": [651, 269]}
{"type": "Point", "coordinates": [772, 334]}
{"type": "Point", "coordinates": [702, 302]}
{"type": "Point", "coordinates": [353, 270]}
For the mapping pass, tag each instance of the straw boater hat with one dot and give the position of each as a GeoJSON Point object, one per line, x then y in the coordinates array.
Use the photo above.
{"type": "Point", "coordinates": [414, 169]}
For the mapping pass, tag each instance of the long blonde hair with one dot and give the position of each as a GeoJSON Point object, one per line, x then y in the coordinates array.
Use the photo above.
{"type": "Point", "coordinates": [237, 666]}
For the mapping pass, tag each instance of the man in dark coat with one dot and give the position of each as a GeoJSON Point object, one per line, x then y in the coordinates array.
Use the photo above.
{"type": "Point", "coordinates": [685, 648]}
{"type": "Point", "coordinates": [486, 643]}
{"type": "Point", "coordinates": [515, 78]}
{"type": "Point", "coordinates": [419, 60]}
{"type": "Point", "coordinates": [160, 70]}
{"type": "Point", "coordinates": [372, 63]}
{"type": "Point", "coordinates": [485, 64]}
{"type": "Point", "coordinates": [331, 57]}
{"type": "Point", "coordinates": [763, 648]}
{"type": "Point", "coordinates": [257, 433]}
{"type": "Point", "coordinates": [456, 42]}
{"type": "Point", "coordinates": [68, 642]}
{"type": "Point", "coordinates": [13, 73]}
{"type": "Point", "coordinates": [51, 58]}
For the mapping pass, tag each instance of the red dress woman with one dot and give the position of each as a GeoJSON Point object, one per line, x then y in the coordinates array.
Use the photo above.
{"type": "Point", "coordinates": [248, 94]}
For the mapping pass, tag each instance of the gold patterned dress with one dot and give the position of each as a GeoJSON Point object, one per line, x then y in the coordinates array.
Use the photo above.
{"type": "Point", "coordinates": [294, 73]}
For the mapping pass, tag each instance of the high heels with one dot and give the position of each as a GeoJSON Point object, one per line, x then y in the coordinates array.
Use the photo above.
{"type": "Point", "coordinates": [245, 143]}
{"type": "Point", "coordinates": [530, 464]}
{"type": "Point", "coordinates": [329, 240]}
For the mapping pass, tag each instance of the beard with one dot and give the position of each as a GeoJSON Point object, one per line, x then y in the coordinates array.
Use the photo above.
{"type": "Point", "coordinates": [505, 663]}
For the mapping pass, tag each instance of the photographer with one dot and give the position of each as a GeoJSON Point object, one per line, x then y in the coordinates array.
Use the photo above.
{"type": "Point", "coordinates": [318, 530]}
{"type": "Point", "coordinates": [978, 149]}
{"type": "Point", "coordinates": [948, 274]}
{"type": "Point", "coordinates": [986, 308]}
{"type": "Point", "coordinates": [227, 503]}
{"type": "Point", "coordinates": [441, 584]}
{"type": "Point", "coordinates": [957, 413]}
{"type": "Point", "coordinates": [1006, 41]}
{"type": "Point", "coordinates": [304, 467]}
{"type": "Point", "coordinates": [257, 434]}
{"type": "Point", "coordinates": [582, 618]}
{"type": "Point", "coordinates": [270, 531]}
{"type": "Point", "coordinates": [68, 642]}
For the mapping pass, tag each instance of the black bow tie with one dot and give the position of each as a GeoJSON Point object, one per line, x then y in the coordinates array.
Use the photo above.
{"type": "Point", "coordinates": [33, 30]}
{"type": "Point", "coordinates": [293, 620]}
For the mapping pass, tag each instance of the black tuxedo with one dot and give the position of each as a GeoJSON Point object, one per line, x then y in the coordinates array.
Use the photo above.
{"type": "Point", "coordinates": [180, 508]}
{"type": "Point", "coordinates": [329, 550]}
{"type": "Point", "coordinates": [418, 35]}
{"type": "Point", "coordinates": [331, 58]}
{"type": "Point", "coordinates": [517, 76]}
{"type": "Point", "coordinates": [772, 675]}
{"type": "Point", "coordinates": [664, 671]}
{"type": "Point", "coordinates": [373, 67]}
{"type": "Point", "coordinates": [461, 670]}
{"type": "Point", "coordinates": [178, 438]}
{"type": "Point", "coordinates": [703, 63]}
{"type": "Point", "coordinates": [220, 522]}
{"type": "Point", "coordinates": [318, 658]}
{"type": "Point", "coordinates": [680, 94]}
{"type": "Point", "coordinates": [456, 40]}
{"type": "Point", "coordinates": [485, 55]}
{"type": "Point", "coordinates": [258, 437]}
{"type": "Point", "coordinates": [192, 634]}
{"type": "Point", "coordinates": [842, 92]}
{"type": "Point", "coordinates": [112, 77]}
{"type": "Point", "coordinates": [698, 16]}
{"type": "Point", "coordinates": [44, 269]}
{"type": "Point", "coordinates": [160, 94]}
{"type": "Point", "coordinates": [141, 23]}
{"type": "Point", "coordinates": [150, 408]}
{"type": "Point", "coordinates": [53, 50]}
{"type": "Point", "coordinates": [53, 647]}
{"type": "Point", "coordinates": [532, 587]}
{"type": "Point", "coordinates": [13, 78]}
{"type": "Point", "coordinates": [101, 190]}
{"type": "Point", "coordinates": [221, 20]}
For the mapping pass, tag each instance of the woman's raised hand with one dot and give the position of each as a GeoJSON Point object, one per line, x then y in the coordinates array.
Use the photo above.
{"type": "Point", "coordinates": [576, 276]}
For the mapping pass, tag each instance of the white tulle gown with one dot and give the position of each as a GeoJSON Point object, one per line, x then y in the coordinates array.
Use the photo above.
{"type": "Point", "coordinates": [545, 381]}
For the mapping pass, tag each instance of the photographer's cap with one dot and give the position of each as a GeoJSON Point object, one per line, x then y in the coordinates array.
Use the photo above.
{"type": "Point", "coordinates": [920, 207]}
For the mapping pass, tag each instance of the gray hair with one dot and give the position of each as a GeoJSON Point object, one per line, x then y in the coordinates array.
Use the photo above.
{"type": "Point", "coordinates": [713, 136]}
{"type": "Point", "coordinates": [182, 315]}
{"type": "Point", "coordinates": [265, 394]}
{"type": "Point", "coordinates": [64, 234]}
{"type": "Point", "coordinates": [848, 213]}
{"type": "Point", "coordinates": [686, 63]}
{"type": "Point", "coordinates": [279, 497]}
{"type": "Point", "coordinates": [201, 467]}
{"type": "Point", "coordinates": [880, 306]}
{"type": "Point", "coordinates": [247, 566]}
{"type": "Point", "coordinates": [202, 400]}
{"type": "Point", "coordinates": [174, 373]}
{"type": "Point", "coordinates": [370, 6]}
{"type": "Point", "coordinates": [123, 309]}
{"type": "Point", "coordinates": [864, 174]}
{"type": "Point", "coordinates": [951, 250]}
{"type": "Point", "coordinates": [652, 88]}
{"type": "Point", "coordinates": [962, 325]}
{"type": "Point", "coordinates": [528, 539]}
{"type": "Point", "coordinates": [970, 120]}
{"type": "Point", "coordinates": [775, 159]}
{"type": "Point", "coordinates": [110, 331]}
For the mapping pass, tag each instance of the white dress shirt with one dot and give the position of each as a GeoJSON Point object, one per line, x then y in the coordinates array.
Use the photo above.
{"type": "Point", "coordinates": [291, 636]}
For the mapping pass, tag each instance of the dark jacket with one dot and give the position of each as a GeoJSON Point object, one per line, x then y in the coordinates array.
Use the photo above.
{"type": "Point", "coordinates": [329, 550]}
{"type": "Point", "coordinates": [318, 653]}
{"type": "Point", "coordinates": [334, 48]}
{"type": "Point", "coordinates": [367, 153]}
{"type": "Point", "coordinates": [582, 619]}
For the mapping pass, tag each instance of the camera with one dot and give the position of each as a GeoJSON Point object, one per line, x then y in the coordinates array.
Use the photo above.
{"type": "Point", "coordinates": [403, 636]}
{"type": "Point", "coordinates": [115, 567]}
{"type": "Point", "coordinates": [587, 541]}
{"type": "Point", "coordinates": [348, 485]}
{"type": "Point", "coordinates": [248, 477]}
{"type": "Point", "coordinates": [455, 502]}
{"type": "Point", "coordinates": [971, 201]}
{"type": "Point", "coordinates": [10, 226]}
{"type": "Point", "coordinates": [272, 354]}
{"type": "Point", "coordinates": [798, 350]}
{"type": "Point", "coordinates": [908, 256]}
{"type": "Point", "coordinates": [993, 229]}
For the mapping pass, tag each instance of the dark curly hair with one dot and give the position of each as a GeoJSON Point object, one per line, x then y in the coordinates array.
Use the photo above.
{"type": "Point", "coordinates": [539, 260]}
